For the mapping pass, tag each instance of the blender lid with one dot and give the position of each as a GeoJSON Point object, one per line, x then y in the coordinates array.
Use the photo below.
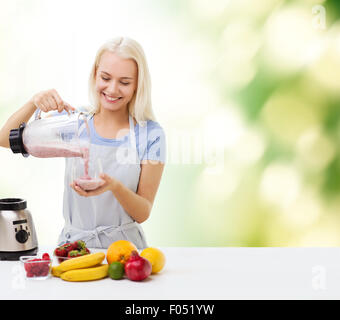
{"type": "Point", "coordinates": [13, 204]}
{"type": "Point", "coordinates": [15, 140]}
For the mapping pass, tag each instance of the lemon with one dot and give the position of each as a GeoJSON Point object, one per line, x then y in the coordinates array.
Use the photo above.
{"type": "Point", "coordinates": [116, 270]}
{"type": "Point", "coordinates": [156, 258]}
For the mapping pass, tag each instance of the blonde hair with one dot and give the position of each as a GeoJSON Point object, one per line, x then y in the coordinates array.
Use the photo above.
{"type": "Point", "coordinates": [140, 105]}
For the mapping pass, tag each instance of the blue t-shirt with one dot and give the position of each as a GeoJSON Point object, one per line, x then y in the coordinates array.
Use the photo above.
{"type": "Point", "coordinates": [150, 139]}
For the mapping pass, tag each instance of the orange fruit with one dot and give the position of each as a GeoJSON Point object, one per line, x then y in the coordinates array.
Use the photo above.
{"type": "Point", "coordinates": [120, 251]}
{"type": "Point", "coordinates": [156, 258]}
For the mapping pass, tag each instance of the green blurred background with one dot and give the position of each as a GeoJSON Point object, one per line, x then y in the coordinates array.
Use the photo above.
{"type": "Point", "coordinates": [248, 94]}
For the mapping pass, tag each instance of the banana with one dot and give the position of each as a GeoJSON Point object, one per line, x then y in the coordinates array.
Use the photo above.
{"type": "Point", "coordinates": [86, 274]}
{"type": "Point", "coordinates": [56, 272]}
{"type": "Point", "coordinates": [86, 261]}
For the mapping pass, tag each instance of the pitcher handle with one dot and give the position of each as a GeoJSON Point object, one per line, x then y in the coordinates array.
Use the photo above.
{"type": "Point", "coordinates": [37, 114]}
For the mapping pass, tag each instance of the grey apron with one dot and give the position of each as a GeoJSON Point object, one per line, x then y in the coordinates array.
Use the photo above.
{"type": "Point", "coordinates": [101, 220]}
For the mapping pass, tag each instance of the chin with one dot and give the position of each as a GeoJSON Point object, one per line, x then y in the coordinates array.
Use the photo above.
{"type": "Point", "coordinates": [112, 107]}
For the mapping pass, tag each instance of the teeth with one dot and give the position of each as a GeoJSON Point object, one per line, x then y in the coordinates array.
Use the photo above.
{"type": "Point", "coordinates": [110, 99]}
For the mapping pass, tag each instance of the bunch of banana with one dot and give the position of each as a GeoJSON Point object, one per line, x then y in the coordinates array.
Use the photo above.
{"type": "Point", "coordinates": [85, 268]}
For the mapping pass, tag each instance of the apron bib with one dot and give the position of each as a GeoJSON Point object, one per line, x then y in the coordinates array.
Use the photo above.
{"type": "Point", "coordinates": [101, 220]}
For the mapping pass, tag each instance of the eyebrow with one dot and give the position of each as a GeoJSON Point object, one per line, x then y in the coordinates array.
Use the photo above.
{"type": "Point", "coordinates": [120, 78]}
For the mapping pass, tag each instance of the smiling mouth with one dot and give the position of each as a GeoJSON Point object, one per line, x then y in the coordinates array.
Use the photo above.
{"type": "Point", "coordinates": [110, 99]}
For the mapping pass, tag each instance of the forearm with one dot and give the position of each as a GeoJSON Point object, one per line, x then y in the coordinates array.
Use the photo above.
{"type": "Point", "coordinates": [20, 116]}
{"type": "Point", "coordinates": [136, 206]}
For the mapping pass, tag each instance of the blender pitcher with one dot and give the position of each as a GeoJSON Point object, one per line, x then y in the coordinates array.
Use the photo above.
{"type": "Point", "coordinates": [58, 136]}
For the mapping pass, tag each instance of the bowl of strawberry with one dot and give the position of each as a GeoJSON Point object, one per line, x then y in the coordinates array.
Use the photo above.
{"type": "Point", "coordinates": [71, 250]}
{"type": "Point", "coordinates": [37, 268]}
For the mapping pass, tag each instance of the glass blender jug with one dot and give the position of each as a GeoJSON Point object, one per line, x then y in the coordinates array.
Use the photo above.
{"type": "Point", "coordinates": [57, 136]}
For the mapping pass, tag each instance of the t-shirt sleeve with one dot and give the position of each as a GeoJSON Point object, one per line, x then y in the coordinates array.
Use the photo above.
{"type": "Point", "coordinates": [156, 145]}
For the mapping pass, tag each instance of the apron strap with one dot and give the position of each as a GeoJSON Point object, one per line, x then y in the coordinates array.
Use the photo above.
{"type": "Point", "coordinates": [134, 152]}
{"type": "Point", "coordinates": [87, 235]}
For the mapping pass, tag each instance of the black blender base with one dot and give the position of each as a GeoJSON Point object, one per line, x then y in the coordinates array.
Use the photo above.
{"type": "Point", "coordinates": [15, 255]}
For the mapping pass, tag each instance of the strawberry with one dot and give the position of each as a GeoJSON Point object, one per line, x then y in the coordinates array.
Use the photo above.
{"type": "Point", "coordinates": [37, 267]}
{"type": "Point", "coordinates": [75, 253]}
{"type": "Point", "coordinates": [44, 268]}
{"type": "Point", "coordinates": [61, 259]}
{"type": "Point", "coordinates": [80, 244]}
{"type": "Point", "coordinates": [46, 256]}
{"type": "Point", "coordinates": [27, 267]}
{"type": "Point", "coordinates": [60, 252]}
{"type": "Point", "coordinates": [63, 250]}
{"type": "Point", "coordinates": [31, 266]}
{"type": "Point", "coordinates": [74, 245]}
{"type": "Point", "coordinates": [74, 249]}
{"type": "Point", "coordinates": [68, 247]}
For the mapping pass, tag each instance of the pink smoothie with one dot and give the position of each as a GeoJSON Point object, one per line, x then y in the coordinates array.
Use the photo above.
{"type": "Point", "coordinates": [67, 150]}
{"type": "Point", "coordinates": [86, 156]}
{"type": "Point", "coordinates": [57, 150]}
{"type": "Point", "coordinates": [87, 183]}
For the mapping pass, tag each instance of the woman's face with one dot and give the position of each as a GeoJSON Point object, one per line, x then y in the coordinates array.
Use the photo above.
{"type": "Point", "coordinates": [116, 81]}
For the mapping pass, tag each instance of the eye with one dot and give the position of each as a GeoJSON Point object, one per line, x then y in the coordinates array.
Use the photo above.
{"type": "Point", "coordinates": [105, 79]}
{"type": "Point", "coordinates": [125, 83]}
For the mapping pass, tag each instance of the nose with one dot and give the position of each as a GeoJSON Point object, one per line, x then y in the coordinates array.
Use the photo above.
{"type": "Point", "coordinates": [113, 88]}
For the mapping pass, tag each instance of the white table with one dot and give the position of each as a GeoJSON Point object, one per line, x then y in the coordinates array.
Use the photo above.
{"type": "Point", "coordinates": [200, 273]}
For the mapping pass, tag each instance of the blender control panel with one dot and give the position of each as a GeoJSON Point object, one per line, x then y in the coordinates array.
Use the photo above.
{"type": "Point", "coordinates": [21, 230]}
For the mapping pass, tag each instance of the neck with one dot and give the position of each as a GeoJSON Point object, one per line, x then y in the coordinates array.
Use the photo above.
{"type": "Point", "coordinates": [115, 119]}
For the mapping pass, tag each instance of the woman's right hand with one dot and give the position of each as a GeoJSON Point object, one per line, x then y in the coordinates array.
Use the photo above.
{"type": "Point", "coordinates": [50, 100]}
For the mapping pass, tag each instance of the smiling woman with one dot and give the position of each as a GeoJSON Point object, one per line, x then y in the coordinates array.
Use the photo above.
{"type": "Point", "coordinates": [120, 93]}
{"type": "Point", "coordinates": [115, 88]}
{"type": "Point", "coordinates": [119, 87]}
{"type": "Point", "coordinates": [120, 67]}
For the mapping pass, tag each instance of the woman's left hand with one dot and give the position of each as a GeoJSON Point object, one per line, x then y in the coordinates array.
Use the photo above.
{"type": "Point", "coordinates": [109, 184]}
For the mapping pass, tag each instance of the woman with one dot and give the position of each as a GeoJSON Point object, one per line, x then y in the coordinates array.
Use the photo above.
{"type": "Point", "coordinates": [120, 120]}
